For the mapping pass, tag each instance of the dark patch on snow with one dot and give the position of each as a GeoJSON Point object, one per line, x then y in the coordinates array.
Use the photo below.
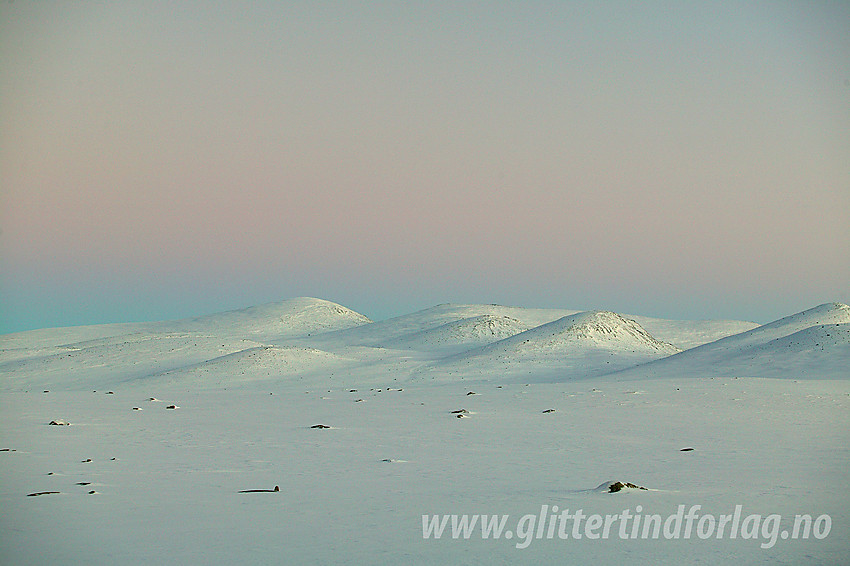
{"type": "Point", "coordinates": [619, 486]}
{"type": "Point", "coordinates": [275, 490]}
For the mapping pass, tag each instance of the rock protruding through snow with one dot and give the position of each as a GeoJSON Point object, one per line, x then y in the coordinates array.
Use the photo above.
{"type": "Point", "coordinates": [615, 486]}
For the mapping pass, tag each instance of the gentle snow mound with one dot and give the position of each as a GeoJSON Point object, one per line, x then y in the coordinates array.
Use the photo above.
{"type": "Point", "coordinates": [302, 316]}
{"type": "Point", "coordinates": [468, 333]}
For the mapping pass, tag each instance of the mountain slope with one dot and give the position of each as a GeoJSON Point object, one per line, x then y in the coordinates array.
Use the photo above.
{"type": "Point", "coordinates": [462, 334]}
{"type": "Point", "coordinates": [256, 364]}
{"type": "Point", "coordinates": [291, 318]}
{"type": "Point", "coordinates": [299, 317]}
{"type": "Point", "coordinates": [400, 330]}
{"type": "Point", "coordinates": [311, 337]}
{"type": "Point", "coordinates": [687, 334]}
{"type": "Point", "coordinates": [803, 344]}
{"type": "Point", "coordinates": [104, 362]}
{"type": "Point", "coordinates": [579, 345]}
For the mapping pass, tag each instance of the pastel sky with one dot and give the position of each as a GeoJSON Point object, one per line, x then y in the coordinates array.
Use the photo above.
{"type": "Point", "coordinates": [674, 159]}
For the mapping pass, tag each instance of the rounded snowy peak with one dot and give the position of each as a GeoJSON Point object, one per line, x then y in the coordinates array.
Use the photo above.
{"type": "Point", "coordinates": [300, 316]}
{"type": "Point", "coordinates": [575, 346]}
{"type": "Point", "coordinates": [596, 329]}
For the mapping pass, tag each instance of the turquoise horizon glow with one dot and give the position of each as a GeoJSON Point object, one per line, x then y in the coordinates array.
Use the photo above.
{"type": "Point", "coordinates": [673, 159]}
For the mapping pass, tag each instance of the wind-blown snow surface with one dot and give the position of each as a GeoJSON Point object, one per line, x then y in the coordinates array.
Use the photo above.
{"type": "Point", "coordinates": [558, 409]}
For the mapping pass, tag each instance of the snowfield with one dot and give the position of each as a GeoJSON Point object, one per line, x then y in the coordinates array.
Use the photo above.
{"type": "Point", "coordinates": [178, 432]}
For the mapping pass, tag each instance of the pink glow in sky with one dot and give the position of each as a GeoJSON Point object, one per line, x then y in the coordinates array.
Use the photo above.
{"type": "Point", "coordinates": [681, 160]}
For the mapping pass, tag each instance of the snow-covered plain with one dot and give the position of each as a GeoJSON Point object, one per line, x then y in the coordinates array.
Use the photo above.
{"type": "Point", "coordinates": [563, 402]}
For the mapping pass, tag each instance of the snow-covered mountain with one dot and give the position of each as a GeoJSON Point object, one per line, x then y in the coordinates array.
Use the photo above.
{"type": "Point", "coordinates": [461, 334]}
{"type": "Point", "coordinates": [806, 344]}
{"type": "Point", "coordinates": [578, 345]}
{"type": "Point", "coordinates": [415, 329]}
{"type": "Point", "coordinates": [254, 365]}
{"type": "Point", "coordinates": [312, 338]}
{"type": "Point", "coordinates": [105, 362]}
{"type": "Point", "coordinates": [300, 432]}
{"type": "Point", "coordinates": [302, 337]}
{"type": "Point", "coordinates": [687, 334]}
{"type": "Point", "coordinates": [291, 318]}
{"type": "Point", "coordinates": [93, 357]}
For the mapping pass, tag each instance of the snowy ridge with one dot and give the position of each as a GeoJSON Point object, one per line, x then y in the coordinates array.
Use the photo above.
{"type": "Point", "coordinates": [254, 364]}
{"type": "Point", "coordinates": [828, 313]}
{"type": "Point", "coordinates": [823, 337]}
{"type": "Point", "coordinates": [105, 361]}
{"type": "Point", "coordinates": [302, 316]}
{"type": "Point", "coordinates": [20, 344]}
{"type": "Point", "coordinates": [311, 338]}
{"type": "Point", "coordinates": [796, 346]}
{"type": "Point", "coordinates": [401, 329]}
{"type": "Point", "coordinates": [271, 322]}
{"type": "Point", "coordinates": [593, 329]}
{"type": "Point", "coordinates": [579, 345]}
{"type": "Point", "coordinates": [686, 334]}
{"type": "Point", "coordinates": [821, 351]}
{"type": "Point", "coordinates": [462, 334]}
{"type": "Point", "coordinates": [602, 328]}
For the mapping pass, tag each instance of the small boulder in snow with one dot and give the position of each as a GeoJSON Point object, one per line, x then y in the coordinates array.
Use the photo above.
{"type": "Point", "coordinates": [615, 486]}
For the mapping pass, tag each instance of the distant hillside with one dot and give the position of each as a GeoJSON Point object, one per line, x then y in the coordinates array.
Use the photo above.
{"type": "Point", "coordinates": [808, 343]}
{"type": "Point", "coordinates": [302, 316]}
{"type": "Point", "coordinates": [262, 363]}
{"type": "Point", "coordinates": [461, 334]}
{"type": "Point", "coordinates": [402, 331]}
{"type": "Point", "coordinates": [320, 343]}
{"type": "Point", "coordinates": [579, 345]}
